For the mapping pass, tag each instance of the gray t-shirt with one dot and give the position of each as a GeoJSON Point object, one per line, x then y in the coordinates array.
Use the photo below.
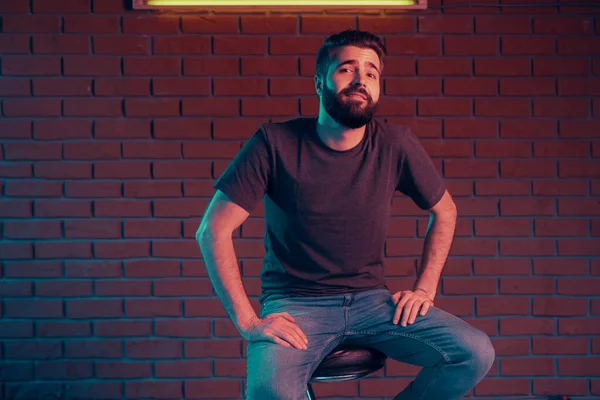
{"type": "Point", "coordinates": [327, 211]}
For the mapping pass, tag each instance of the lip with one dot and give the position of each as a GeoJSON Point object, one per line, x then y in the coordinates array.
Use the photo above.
{"type": "Point", "coordinates": [357, 94]}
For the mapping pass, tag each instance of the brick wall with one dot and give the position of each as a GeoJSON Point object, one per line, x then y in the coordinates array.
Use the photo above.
{"type": "Point", "coordinates": [115, 123]}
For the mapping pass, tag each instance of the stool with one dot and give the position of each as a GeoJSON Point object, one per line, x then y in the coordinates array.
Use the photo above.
{"type": "Point", "coordinates": [346, 363]}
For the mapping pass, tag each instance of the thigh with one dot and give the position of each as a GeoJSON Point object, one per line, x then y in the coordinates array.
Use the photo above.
{"type": "Point", "coordinates": [276, 372]}
{"type": "Point", "coordinates": [437, 337]}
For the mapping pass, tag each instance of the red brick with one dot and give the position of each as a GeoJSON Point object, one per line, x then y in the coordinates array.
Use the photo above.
{"type": "Point", "coordinates": [183, 369]}
{"type": "Point", "coordinates": [181, 169]}
{"type": "Point", "coordinates": [92, 189]}
{"type": "Point", "coordinates": [91, 66]}
{"type": "Point", "coordinates": [151, 269]}
{"type": "Point", "coordinates": [527, 247]}
{"type": "Point", "coordinates": [527, 366]}
{"type": "Point", "coordinates": [491, 305]}
{"type": "Point", "coordinates": [91, 150]}
{"type": "Point", "coordinates": [123, 288]}
{"type": "Point", "coordinates": [451, 66]}
{"type": "Point", "coordinates": [183, 128]}
{"type": "Point", "coordinates": [64, 7]}
{"type": "Point", "coordinates": [92, 229]}
{"type": "Point", "coordinates": [63, 249]}
{"type": "Point", "coordinates": [14, 44]}
{"type": "Point", "coordinates": [438, 24]}
{"type": "Point", "coordinates": [213, 24]}
{"type": "Point", "coordinates": [470, 45]}
{"type": "Point", "coordinates": [239, 45]}
{"type": "Point", "coordinates": [470, 168]}
{"type": "Point", "coordinates": [326, 24]}
{"type": "Point", "coordinates": [269, 66]}
{"type": "Point", "coordinates": [123, 370]}
{"type": "Point", "coordinates": [578, 169]}
{"type": "Point", "coordinates": [528, 45]}
{"type": "Point", "coordinates": [108, 6]}
{"type": "Point", "coordinates": [62, 87]}
{"type": "Point", "coordinates": [470, 86]}
{"type": "Point", "coordinates": [561, 227]}
{"type": "Point", "coordinates": [559, 266]}
{"type": "Point", "coordinates": [151, 66]}
{"type": "Point", "coordinates": [241, 87]}
{"type": "Point", "coordinates": [63, 289]}
{"type": "Point", "coordinates": [121, 45]}
{"type": "Point", "coordinates": [16, 87]}
{"type": "Point", "coordinates": [527, 87]}
{"type": "Point", "coordinates": [153, 308]}
{"type": "Point", "coordinates": [122, 169]}
{"type": "Point", "coordinates": [213, 107]}
{"type": "Point", "coordinates": [257, 24]}
{"type": "Point", "coordinates": [501, 107]}
{"type": "Point", "coordinates": [226, 388]}
{"type": "Point", "coordinates": [214, 66]}
{"type": "Point", "coordinates": [122, 249]}
{"type": "Point", "coordinates": [502, 227]}
{"type": "Point", "coordinates": [549, 66]}
{"type": "Point", "coordinates": [91, 24]}
{"type": "Point", "coordinates": [560, 306]}
{"type": "Point", "coordinates": [61, 44]}
{"type": "Point", "coordinates": [31, 66]}
{"type": "Point", "coordinates": [531, 206]}
{"type": "Point", "coordinates": [558, 187]}
{"type": "Point", "coordinates": [183, 208]}
{"type": "Point", "coordinates": [555, 107]}
{"type": "Point", "coordinates": [527, 168]}
{"type": "Point", "coordinates": [122, 208]}
{"type": "Point", "coordinates": [560, 345]}
{"type": "Point", "coordinates": [30, 24]}
{"type": "Point", "coordinates": [444, 107]}
{"type": "Point", "coordinates": [294, 45]}
{"type": "Point", "coordinates": [578, 207]}
{"type": "Point", "coordinates": [92, 269]}
{"type": "Point", "coordinates": [578, 46]}
{"type": "Point", "coordinates": [92, 107]}
{"type": "Point", "coordinates": [527, 325]}
{"type": "Point", "coordinates": [149, 24]}
{"type": "Point", "coordinates": [181, 45]}
{"type": "Point", "coordinates": [152, 189]}
{"type": "Point", "coordinates": [32, 230]}
{"type": "Point", "coordinates": [502, 148]}
{"type": "Point", "coordinates": [527, 128]}
{"type": "Point", "coordinates": [153, 107]}
{"type": "Point", "coordinates": [122, 129]}
{"type": "Point", "coordinates": [563, 25]}
{"type": "Point", "coordinates": [33, 308]}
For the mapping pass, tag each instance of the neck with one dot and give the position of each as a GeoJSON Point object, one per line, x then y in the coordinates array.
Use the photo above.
{"type": "Point", "coordinates": [336, 136]}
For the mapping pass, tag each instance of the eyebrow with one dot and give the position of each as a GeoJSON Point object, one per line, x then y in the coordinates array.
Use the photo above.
{"type": "Point", "coordinates": [356, 62]}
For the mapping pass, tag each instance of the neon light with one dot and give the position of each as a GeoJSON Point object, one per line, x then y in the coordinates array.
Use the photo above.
{"type": "Point", "coordinates": [278, 3]}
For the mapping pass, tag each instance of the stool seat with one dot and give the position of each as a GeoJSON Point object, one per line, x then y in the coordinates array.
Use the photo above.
{"type": "Point", "coordinates": [348, 363]}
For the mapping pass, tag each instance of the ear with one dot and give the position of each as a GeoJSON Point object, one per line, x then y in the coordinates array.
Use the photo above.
{"type": "Point", "coordinates": [318, 84]}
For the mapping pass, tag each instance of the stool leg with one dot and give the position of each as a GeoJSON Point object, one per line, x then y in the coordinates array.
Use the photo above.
{"type": "Point", "coordinates": [309, 393]}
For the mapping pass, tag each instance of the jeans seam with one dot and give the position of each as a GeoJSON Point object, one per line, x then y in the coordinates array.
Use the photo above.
{"type": "Point", "coordinates": [427, 342]}
{"type": "Point", "coordinates": [321, 353]}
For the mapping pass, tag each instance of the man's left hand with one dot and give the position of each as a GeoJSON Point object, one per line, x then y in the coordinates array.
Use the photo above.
{"type": "Point", "coordinates": [408, 303]}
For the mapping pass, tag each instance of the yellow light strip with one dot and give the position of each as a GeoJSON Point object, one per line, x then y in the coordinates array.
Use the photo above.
{"type": "Point", "coordinates": [279, 3]}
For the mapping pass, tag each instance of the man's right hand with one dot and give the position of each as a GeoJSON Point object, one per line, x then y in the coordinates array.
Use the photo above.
{"type": "Point", "coordinates": [279, 328]}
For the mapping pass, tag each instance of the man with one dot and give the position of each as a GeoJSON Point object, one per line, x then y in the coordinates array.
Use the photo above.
{"type": "Point", "coordinates": [328, 184]}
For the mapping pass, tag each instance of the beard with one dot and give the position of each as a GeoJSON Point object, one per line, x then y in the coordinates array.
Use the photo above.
{"type": "Point", "coordinates": [347, 111]}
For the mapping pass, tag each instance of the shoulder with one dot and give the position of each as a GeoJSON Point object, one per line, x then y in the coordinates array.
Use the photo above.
{"type": "Point", "coordinates": [398, 136]}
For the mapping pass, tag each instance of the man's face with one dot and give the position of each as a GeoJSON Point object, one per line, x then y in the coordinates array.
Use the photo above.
{"type": "Point", "coordinates": [350, 91]}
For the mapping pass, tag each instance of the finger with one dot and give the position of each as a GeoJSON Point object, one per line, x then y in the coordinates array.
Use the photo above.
{"type": "Point", "coordinates": [407, 311]}
{"type": "Point", "coordinates": [400, 307]}
{"type": "Point", "coordinates": [287, 316]}
{"type": "Point", "coordinates": [425, 308]}
{"type": "Point", "coordinates": [414, 312]}
{"type": "Point", "coordinates": [279, 341]}
{"type": "Point", "coordinates": [292, 337]}
{"type": "Point", "coordinates": [300, 333]}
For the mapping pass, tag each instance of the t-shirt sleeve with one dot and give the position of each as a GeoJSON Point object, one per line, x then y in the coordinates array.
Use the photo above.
{"type": "Point", "coordinates": [419, 179]}
{"type": "Point", "coordinates": [246, 178]}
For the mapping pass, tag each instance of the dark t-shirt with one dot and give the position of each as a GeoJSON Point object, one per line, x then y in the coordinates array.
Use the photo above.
{"type": "Point", "coordinates": [327, 211]}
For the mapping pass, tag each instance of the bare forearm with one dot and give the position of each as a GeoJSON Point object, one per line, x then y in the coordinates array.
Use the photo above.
{"type": "Point", "coordinates": [438, 241]}
{"type": "Point", "coordinates": [223, 270]}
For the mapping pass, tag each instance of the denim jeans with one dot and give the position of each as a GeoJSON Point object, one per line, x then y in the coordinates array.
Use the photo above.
{"type": "Point", "coordinates": [454, 355]}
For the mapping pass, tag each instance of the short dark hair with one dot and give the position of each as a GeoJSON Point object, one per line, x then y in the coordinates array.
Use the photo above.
{"type": "Point", "coordinates": [348, 37]}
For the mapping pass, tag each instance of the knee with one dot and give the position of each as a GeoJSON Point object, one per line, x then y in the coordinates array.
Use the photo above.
{"type": "Point", "coordinates": [480, 351]}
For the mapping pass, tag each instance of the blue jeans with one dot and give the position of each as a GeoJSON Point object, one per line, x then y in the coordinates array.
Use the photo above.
{"type": "Point", "coordinates": [454, 355]}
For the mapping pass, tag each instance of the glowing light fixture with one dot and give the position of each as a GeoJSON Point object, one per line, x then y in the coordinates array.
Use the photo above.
{"type": "Point", "coordinates": [280, 4]}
